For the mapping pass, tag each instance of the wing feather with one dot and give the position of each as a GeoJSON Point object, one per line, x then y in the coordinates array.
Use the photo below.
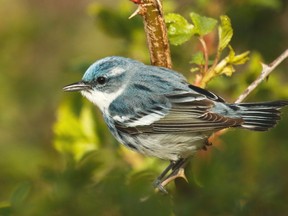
{"type": "Point", "coordinates": [189, 112]}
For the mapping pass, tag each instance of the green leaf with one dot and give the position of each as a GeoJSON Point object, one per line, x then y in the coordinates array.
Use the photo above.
{"type": "Point", "coordinates": [225, 32]}
{"type": "Point", "coordinates": [238, 59]}
{"type": "Point", "coordinates": [228, 70]}
{"type": "Point", "coordinates": [226, 66]}
{"type": "Point", "coordinates": [75, 134]}
{"type": "Point", "coordinates": [198, 58]}
{"type": "Point", "coordinates": [202, 25]}
{"type": "Point", "coordinates": [179, 29]}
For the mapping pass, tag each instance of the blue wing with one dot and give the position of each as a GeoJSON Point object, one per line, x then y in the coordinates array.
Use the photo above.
{"type": "Point", "coordinates": [177, 113]}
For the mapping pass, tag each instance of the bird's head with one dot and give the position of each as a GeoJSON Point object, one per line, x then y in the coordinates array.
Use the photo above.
{"type": "Point", "coordinates": [105, 80]}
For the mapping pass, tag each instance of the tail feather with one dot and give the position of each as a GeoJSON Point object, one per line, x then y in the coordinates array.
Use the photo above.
{"type": "Point", "coordinates": [260, 116]}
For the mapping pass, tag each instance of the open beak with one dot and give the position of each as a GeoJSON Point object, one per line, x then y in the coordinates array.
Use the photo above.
{"type": "Point", "coordinates": [79, 86]}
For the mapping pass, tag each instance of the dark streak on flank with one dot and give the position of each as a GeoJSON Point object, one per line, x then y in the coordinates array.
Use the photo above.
{"type": "Point", "coordinates": [142, 87]}
{"type": "Point", "coordinates": [131, 146]}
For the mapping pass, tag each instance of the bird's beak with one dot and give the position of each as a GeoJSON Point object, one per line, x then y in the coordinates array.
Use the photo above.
{"type": "Point", "coordinates": [79, 86]}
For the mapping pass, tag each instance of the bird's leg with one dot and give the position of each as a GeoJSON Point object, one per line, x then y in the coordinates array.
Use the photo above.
{"type": "Point", "coordinates": [177, 171]}
{"type": "Point", "coordinates": [158, 181]}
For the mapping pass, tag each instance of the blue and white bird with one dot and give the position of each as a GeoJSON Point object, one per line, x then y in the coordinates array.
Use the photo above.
{"type": "Point", "coordinates": [156, 112]}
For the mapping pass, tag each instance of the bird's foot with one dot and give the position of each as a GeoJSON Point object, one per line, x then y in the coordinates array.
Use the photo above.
{"type": "Point", "coordinates": [177, 171]}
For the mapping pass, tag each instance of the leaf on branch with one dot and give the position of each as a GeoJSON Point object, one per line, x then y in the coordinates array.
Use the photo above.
{"type": "Point", "coordinates": [179, 29]}
{"type": "Point", "coordinates": [202, 25]}
{"type": "Point", "coordinates": [238, 59]}
{"type": "Point", "coordinates": [228, 70]}
{"type": "Point", "coordinates": [198, 58]}
{"type": "Point", "coordinates": [226, 66]}
{"type": "Point", "coordinates": [225, 32]}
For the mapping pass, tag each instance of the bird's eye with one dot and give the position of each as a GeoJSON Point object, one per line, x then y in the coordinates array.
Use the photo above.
{"type": "Point", "coordinates": [101, 80]}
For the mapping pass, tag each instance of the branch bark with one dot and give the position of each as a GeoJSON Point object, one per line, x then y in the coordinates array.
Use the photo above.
{"type": "Point", "coordinates": [156, 32]}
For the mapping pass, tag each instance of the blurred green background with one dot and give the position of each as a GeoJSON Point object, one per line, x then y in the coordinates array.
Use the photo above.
{"type": "Point", "coordinates": [56, 154]}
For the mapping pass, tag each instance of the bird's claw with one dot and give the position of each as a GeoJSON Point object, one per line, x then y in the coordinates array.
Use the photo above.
{"type": "Point", "coordinates": [159, 187]}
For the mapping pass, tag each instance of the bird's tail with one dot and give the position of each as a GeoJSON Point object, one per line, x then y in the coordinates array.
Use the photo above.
{"type": "Point", "coordinates": [260, 116]}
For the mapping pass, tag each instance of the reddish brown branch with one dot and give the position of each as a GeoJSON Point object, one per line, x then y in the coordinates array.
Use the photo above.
{"type": "Point", "coordinates": [156, 32]}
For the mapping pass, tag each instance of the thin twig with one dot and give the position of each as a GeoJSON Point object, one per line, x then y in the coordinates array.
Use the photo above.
{"type": "Point", "coordinates": [205, 51]}
{"type": "Point", "coordinates": [208, 75]}
{"type": "Point", "coordinates": [266, 70]}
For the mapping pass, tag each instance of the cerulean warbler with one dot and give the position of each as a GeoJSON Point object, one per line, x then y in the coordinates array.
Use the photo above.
{"type": "Point", "coordinates": [156, 112]}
